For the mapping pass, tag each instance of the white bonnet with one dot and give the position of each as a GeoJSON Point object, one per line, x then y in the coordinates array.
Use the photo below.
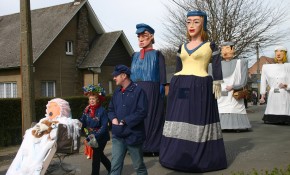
{"type": "Point", "coordinates": [281, 48]}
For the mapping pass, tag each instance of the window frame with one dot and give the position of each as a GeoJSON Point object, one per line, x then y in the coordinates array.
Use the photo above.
{"type": "Point", "coordinates": [47, 88]}
{"type": "Point", "coordinates": [13, 89]}
{"type": "Point", "coordinates": [69, 47]}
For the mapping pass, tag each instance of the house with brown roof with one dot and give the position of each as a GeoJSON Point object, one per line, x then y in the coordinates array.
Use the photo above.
{"type": "Point", "coordinates": [255, 69]}
{"type": "Point", "coordinates": [70, 50]}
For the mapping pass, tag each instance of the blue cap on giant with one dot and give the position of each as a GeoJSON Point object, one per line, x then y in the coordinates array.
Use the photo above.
{"type": "Point", "coordinates": [121, 69]}
{"type": "Point", "coordinates": [144, 27]}
{"type": "Point", "coordinates": [199, 13]}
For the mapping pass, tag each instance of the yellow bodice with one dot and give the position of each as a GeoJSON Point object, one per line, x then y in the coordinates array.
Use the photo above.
{"type": "Point", "coordinates": [197, 62]}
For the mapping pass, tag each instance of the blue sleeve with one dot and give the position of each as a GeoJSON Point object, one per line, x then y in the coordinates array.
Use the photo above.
{"type": "Point", "coordinates": [162, 68]}
{"type": "Point", "coordinates": [111, 108]}
{"type": "Point", "coordinates": [178, 60]}
{"type": "Point", "coordinates": [141, 111]}
{"type": "Point", "coordinates": [216, 62]}
{"type": "Point", "coordinates": [104, 125]}
{"type": "Point", "coordinates": [83, 120]}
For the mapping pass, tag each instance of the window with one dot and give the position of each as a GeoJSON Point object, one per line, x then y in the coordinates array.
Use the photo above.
{"type": "Point", "coordinates": [69, 48]}
{"type": "Point", "coordinates": [48, 89]}
{"type": "Point", "coordinates": [8, 90]}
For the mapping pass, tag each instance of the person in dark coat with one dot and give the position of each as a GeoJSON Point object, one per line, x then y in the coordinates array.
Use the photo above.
{"type": "Point", "coordinates": [148, 72]}
{"type": "Point", "coordinates": [95, 120]}
{"type": "Point", "coordinates": [127, 110]}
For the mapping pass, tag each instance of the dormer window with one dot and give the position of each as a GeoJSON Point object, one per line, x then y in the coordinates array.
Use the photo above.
{"type": "Point", "coordinates": [69, 48]}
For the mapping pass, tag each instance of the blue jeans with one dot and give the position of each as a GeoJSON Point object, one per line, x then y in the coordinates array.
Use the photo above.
{"type": "Point", "coordinates": [119, 150]}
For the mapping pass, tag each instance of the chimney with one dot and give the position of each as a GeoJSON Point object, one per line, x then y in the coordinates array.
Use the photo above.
{"type": "Point", "coordinates": [77, 2]}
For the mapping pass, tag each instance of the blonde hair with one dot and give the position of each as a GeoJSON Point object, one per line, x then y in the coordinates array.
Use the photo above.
{"type": "Point", "coordinates": [284, 60]}
{"type": "Point", "coordinates": [204, 35]}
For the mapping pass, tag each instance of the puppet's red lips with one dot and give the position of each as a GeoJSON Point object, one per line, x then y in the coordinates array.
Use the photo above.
{"type": "Point", "coordinates": [191, 31]}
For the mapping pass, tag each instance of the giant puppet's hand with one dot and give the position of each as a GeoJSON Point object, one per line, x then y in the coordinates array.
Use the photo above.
{"type": "Point", "coordinates": [262, 99]}
{"type": "Point", "coordinates": [216, 89]}
{"type": "Point", "coordinates": [283, 86]}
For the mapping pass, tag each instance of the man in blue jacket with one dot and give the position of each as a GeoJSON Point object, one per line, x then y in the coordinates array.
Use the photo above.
{"type": "Point", "coordinates": [127, 110]}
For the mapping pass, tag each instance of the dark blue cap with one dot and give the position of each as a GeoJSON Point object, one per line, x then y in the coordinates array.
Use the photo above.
{"type": "Point", "coordinates": [144, 27]}
{"type": "Point", "coordinates": [121, 69]}
{"type": "Point", "coordinates": [199, 13]}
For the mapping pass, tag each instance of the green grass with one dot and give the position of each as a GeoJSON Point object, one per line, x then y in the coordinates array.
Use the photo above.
{"type": "Point", "coordinates": [275, 171]}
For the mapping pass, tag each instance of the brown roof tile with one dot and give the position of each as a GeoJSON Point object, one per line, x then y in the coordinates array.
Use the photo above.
{"type": "Point", "coordinates": [263, 60]}
{"type": "Point", "coordinates": [46, 24]}
{"type": "Point", "coordinates": [100, 49]}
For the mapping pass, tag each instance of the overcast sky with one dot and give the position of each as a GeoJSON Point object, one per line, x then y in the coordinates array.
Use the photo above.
{"type": "Point", "coordinates": [123, 15]}
{"type": "Point", "coordinates": [113, 14]}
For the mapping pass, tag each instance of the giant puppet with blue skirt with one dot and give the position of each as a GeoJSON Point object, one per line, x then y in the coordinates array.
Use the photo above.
{"type": "Point", "coordinates": [192, 139]}
{"type": "Point", "coordinates": [148, 71]}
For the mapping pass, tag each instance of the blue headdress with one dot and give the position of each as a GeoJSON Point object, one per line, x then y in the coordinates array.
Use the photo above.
{"type": "Point", "coordinates": [94, 90]}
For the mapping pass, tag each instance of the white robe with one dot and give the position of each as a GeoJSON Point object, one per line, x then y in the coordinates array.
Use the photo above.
{"type": "Point", "coordinates": [273, 75]}
{"type": "Point", "coordinates": [30, 156]}
{"type": "Point", "coordinates": [228, 104]}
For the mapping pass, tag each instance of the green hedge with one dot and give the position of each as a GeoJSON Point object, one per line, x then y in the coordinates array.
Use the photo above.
{"type": "Point", "coordinates": [11, 117]}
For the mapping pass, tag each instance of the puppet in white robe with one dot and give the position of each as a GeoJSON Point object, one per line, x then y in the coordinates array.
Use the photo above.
{"type": "Point", "coordinates": [276, 76]}
{"type": "Point", "coordinates": [30, 156]}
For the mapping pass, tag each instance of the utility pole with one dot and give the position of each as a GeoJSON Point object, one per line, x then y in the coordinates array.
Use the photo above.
{"type": "Point", "coordinates": [26, 67]}
{"type": "Point", "coordinates": [258, 70]}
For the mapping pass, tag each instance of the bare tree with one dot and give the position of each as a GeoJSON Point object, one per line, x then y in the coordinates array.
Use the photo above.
{"type": "Point", "coordinates": [169, 55]}
{"type": "Point", "coordinates": [245, 22]}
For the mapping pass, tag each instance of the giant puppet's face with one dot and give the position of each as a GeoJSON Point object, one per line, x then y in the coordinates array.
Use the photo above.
{"type": "Point", "coordinates": [228, 52]}
{"type": "Point", "coordinates": [280, 55]}
{"type": "Point", "coordinates": [145, 39]}
{"type": "Point", "coordinates": [53, 110]}
{"type": "Point", "coordinates": [194, 26]}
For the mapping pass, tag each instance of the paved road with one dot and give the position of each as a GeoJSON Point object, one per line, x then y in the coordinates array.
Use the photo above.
{"type": "Point", "coordinates": [265, 147]}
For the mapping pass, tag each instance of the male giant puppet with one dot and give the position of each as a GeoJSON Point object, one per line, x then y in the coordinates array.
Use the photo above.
{"type": "Point", "coordinates": [39, 139]}
{"type": "Point", "coordinates": [148, 71]}
{"type": "Point", "coordinates": [232, 112]}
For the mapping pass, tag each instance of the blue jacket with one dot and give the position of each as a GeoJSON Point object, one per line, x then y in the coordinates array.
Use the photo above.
{"type": "Point", "coordinates": [99, 124]}
{"type": "Point", "coordinates": [130, 106]}
{"type": "Point", "coordinates": [151, 68]}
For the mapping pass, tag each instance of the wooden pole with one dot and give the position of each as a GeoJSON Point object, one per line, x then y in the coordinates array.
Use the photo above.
{"type": "Point", "coordinates": [26, 67]}
{"type": "Point", "coordinates": [258, 71]}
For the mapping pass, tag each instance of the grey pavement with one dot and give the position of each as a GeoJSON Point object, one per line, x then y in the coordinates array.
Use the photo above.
{"type": "Point", "coordinates": [265, 147]}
